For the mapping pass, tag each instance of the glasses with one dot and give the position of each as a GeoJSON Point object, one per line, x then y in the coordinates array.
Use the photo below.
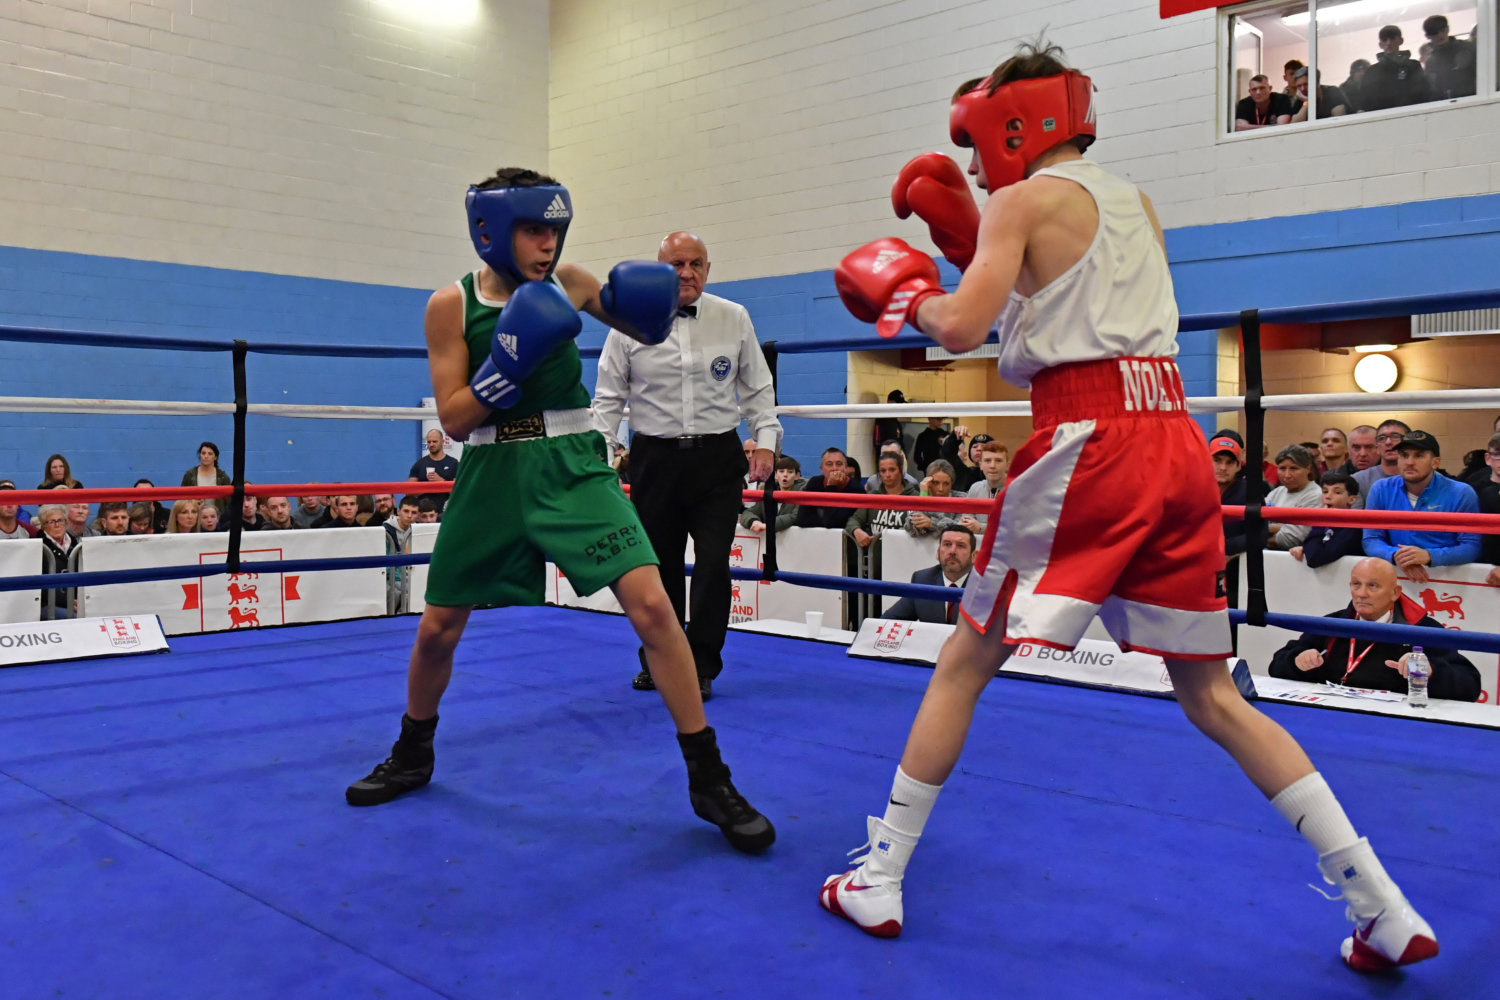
{"type": "Point", "coordinates": [1493, 453]}
{"type": "Point", "coordinates": [1388, 437]}
{"type": "Point", "coordinates": [55, 520]}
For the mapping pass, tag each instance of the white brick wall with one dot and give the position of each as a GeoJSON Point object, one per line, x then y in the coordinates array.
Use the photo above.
{"type": "Point", "coordinates": [774, 128]}
{"type": "Point", "coordinates": [326, 138]}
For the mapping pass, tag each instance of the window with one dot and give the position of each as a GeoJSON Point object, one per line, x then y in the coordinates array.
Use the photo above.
{"type": "Point", "coordinates": [1363, 57]}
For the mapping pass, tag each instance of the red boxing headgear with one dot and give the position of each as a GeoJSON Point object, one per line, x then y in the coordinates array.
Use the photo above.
{"type": "Point", "coordinates": [1042, 112]}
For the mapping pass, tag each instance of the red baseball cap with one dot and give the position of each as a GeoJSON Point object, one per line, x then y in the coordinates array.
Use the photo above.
{"type": "Point", "coordinates": [1228, 444]}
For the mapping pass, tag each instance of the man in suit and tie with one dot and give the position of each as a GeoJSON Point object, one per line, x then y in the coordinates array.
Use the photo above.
{"type": "Point", "coordinates": [955, 556]}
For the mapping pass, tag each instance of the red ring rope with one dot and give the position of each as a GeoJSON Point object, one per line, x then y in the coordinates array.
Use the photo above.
{"type": "Point", "coordinates": [214, 492]}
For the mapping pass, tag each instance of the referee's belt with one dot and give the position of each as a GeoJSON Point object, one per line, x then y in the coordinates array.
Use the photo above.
{"type": "Point", "coordinates": [548, 423]}
{"type": "Point", "coordinates": [690, 440]}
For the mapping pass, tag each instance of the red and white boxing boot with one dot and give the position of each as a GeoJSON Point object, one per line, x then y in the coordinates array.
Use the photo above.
{"type": "Point", "coordinates": [869, 896]}
{"type": "Point", "coordinates": [1387, 931]}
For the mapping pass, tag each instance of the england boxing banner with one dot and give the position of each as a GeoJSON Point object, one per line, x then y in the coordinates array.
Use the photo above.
{"type": "Point", "coordinates": [1457, 596]}
{"type": "Point", "coordinates": [80, 639]}
{"type": "Point", "coordinates": [20, 557]}
{"type": "Point", "coordinates": [247, 599]}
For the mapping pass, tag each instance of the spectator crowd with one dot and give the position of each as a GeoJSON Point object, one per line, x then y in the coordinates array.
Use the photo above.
{"type": "Point", "coordinates": [1445, 67]}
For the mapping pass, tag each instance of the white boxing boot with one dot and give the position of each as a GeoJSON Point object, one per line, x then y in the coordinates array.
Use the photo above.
{"type": "Point", "coordinates": [1387, 931]}
{"type": "Point", "coordinates": [870, 895]}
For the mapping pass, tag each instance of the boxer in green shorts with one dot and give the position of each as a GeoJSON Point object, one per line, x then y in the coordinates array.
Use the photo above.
{"type": "Point", "coordinates": [532, 483]}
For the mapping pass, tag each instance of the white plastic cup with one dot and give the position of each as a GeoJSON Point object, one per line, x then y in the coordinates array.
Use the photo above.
{"type": "Point", "coordinates": [814, 624]}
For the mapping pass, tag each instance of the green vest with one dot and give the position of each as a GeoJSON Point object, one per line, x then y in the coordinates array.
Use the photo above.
{"type": "Point", "coordinates": [557, 383]}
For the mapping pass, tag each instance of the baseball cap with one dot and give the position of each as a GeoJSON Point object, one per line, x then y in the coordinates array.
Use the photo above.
{"type": "Point", "coordinates": [1228, 444]}
{"type": "Point", "coordinates": [1419, 440]}
{"type": "Point", "coordinates": [895, 396]}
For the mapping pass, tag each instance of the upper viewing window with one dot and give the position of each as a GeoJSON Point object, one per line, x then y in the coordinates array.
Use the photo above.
{"type": "Point", "coordinates": [1366, 56]}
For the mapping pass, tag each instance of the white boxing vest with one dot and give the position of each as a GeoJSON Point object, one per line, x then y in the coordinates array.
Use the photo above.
{"type": "Point", "coordinates": [1116, 302]}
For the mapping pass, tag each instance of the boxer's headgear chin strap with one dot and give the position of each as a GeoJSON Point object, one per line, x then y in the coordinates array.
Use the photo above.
{"type": "Point", "coordinates": [1043, 113]}
{"type": "Point", "coordinates": [494, 213]}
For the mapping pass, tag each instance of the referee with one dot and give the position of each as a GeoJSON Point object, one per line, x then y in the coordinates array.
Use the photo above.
{"type": "Point", "coordinates": [687, 464]}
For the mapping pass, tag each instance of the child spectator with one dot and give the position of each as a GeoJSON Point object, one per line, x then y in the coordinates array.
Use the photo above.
{"type": "Point", "coordinates": [994, 463]}
{"type": "Point", "coordinates": [427, 512]}
{"type": "Point", "coordinates": [788, 477]}
{"type": "Point", "coordinates": [142, 519]}
{"type": "Point", "coordinates": [208, 519]}
{"type": "Point", "coordinates": [1325, 545]}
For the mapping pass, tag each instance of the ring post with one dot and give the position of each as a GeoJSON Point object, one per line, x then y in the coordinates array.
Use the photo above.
{"type": "Point", "coordinates": [237, 500]}
{"type": "Point", "coordinates": [1255, 484]}
{"type": "Point", "coordinates": [768, 499]}
{"type": "Point", "coordinates": [768, 349]}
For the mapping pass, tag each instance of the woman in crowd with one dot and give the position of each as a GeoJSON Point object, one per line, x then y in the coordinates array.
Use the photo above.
{"type": "Point", "coordinates": [208, 473]}
{"type": "Point", "coordinates": [208, 518]}
{"type": "Point", "coordinates": [1295, 467]}
{"type": "Point", "coordinates": [59, 545]}
{"type": "Point", "coordinates": [866, 523]}
{"type": "Point", "coordinates": [939, 483]}
{"type": "Point", "coordinates": [185, 517]}
{"type": "Point", "coordinates": [57, 473]}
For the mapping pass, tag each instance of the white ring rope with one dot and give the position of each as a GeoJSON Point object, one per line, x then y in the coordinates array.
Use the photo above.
{"type": "Point", "coordinates": [1324, 402]}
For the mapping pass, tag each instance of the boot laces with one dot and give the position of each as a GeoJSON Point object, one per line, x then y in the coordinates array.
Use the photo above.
{"type": "Point", "coordinates": [736, 807]}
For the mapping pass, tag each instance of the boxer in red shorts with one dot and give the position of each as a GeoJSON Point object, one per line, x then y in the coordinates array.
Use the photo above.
{"type": "Point", "coordinates": [1111, 508]}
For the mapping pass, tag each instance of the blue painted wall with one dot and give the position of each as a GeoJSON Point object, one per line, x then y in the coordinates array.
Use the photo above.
{"type": "Point", "coordinates": [1446, 245]}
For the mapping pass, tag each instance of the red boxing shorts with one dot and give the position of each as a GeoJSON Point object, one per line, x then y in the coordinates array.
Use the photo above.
{"type": "Point", "coordinates": [1111, 509]}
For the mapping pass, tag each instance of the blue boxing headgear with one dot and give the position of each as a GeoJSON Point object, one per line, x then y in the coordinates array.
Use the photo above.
{"type": "Point", "coordinates": [494, 212]}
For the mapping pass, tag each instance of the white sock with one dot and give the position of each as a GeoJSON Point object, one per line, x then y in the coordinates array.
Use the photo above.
{"type": "Point", "coordinates": [910, 805]}
{"type": "Point", "coordinates": [1308, 804]}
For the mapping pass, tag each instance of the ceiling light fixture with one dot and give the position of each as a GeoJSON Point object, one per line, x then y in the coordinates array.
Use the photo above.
{"type": "Point", "coordinates": [1374, 348]}
{"type": "Point", "coordinates": [436, 11]}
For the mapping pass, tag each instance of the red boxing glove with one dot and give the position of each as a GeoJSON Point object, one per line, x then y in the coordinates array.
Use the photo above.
{"type": "Point", "coordinates": [884, 282]}
{"type": "Point", "coordinates": [934, 187]}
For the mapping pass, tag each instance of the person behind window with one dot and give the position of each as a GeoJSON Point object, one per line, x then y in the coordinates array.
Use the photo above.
{"type": "Point", "coordinates": [955, 558]}
{"type": "Point", "coordinates": [208, 473]}
{"type": "Point", "coordinates": [1419, 487]}
{"type": "Point", "coordinates": [788, 477]}
{"type": "Point", "coordinates": [1376, 597]}
{"type": "Point", "coordinates": [1396, 79]}
{"type": "Point", "coordinates": [57, 473]}
{"type": "Point", "coordinates": [1289, 76]}
{"type": "Point", "coordinates": [1451, 64]}
{"type": "Point", "coordinates": [1295, 469]}
{"type": "Point", "coordinates": [185, 517]}
{"type": "Point", "coordinates": [1331, 100]}
{"type": "Point", "coordinates": [1353, 83]}
{"type": "Point", "coordinates": [1262, 109]}
{"type": "Point", "coordinates": [1324, 545]}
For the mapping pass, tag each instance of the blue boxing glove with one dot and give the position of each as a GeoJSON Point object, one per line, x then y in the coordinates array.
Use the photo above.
{"type": "Point", "coordinates": [643, 294]}
{"type": "Point", "coordinates": [537, 318]}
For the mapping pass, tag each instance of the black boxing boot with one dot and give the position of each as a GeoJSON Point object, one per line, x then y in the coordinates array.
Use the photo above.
{"type": "Point", "coordinates": [409, 766]}
{"type": "Point", "coordinates": [715, 798]}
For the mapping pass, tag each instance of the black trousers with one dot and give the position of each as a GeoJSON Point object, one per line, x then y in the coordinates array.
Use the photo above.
{"type": "Point", "coordinates": [698, 492]}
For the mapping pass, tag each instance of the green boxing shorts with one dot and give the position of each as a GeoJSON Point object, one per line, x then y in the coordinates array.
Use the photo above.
{"type": "Point", "coordinates": [517, 503]}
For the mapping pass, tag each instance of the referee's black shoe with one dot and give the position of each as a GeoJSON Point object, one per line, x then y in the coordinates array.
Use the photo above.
{"type": "Point", "coordinates": [408, 767]}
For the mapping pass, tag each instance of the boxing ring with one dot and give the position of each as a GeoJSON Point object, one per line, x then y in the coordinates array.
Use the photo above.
{"type": "Point", "coordinates": [174, 824]}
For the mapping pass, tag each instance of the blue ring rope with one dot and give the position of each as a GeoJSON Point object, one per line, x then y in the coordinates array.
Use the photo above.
{"type": "Point", "coordinates": [1318, 313]}
{"type": "Point", "coordinates": [1410, 635]}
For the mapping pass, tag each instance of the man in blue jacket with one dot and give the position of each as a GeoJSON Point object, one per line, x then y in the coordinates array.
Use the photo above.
{"type": "Point", "coordinates": [1419, 487]}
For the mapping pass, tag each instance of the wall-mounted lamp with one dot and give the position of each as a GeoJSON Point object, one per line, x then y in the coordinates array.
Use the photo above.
{"type": "Point", "coordinates": [1376, 373]}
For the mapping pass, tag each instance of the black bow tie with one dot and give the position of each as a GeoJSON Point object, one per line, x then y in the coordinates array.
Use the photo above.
{"type": "Point", "coordinates": [688, 311]}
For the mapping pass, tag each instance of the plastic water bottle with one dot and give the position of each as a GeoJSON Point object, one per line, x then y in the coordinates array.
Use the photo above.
{"type": "Point", "coordinates": [1417, 672]}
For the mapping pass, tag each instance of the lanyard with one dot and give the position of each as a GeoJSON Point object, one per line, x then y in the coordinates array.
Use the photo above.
{"type": "Point", "coordinates": [1355, 661]}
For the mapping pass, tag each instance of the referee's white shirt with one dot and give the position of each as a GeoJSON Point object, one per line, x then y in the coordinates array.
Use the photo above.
{"type": "Point", "coordinates": [702, 379]}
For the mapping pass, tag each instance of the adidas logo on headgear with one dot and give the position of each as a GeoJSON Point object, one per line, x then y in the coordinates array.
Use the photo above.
{"type": "Point", "coordinates": [508, 341]}
{"type": "Point", "coordinates": [885, 258]}
{"type": "Point", "coordinates": [556, 210]}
